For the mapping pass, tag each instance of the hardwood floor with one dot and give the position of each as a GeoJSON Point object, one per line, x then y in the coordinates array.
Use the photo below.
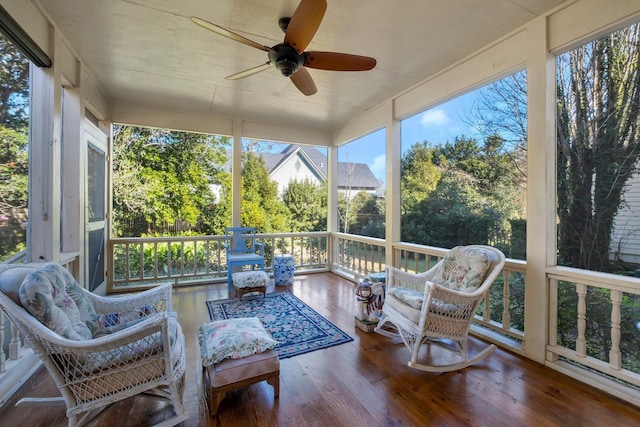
{"type": "Point", "coordinates": [365, 382]}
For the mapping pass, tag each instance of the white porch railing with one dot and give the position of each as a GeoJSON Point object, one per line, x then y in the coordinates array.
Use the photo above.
{"type": "Point", "coordinates": [144, 262]}
{"type": "Point", "coordinates": [578, 353]}
{"type": "Point", "coordinates": [357, 256]}
{"type": "Point", "coordinates": [136, 263]}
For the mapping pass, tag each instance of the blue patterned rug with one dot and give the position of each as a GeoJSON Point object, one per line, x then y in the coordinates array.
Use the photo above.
{"type": "Point", "coordinates": [289, 320]}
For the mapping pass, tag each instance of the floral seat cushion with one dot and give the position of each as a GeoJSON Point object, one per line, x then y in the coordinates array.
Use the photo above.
{"type": "Point", "coordinates": [52, 296]}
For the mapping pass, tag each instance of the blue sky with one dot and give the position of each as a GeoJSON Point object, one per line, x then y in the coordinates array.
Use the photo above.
{"type": "Point", "coordinates": [436, 125]}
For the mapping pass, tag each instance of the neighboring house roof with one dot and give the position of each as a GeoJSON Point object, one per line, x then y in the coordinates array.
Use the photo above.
{"type": "Point", "coordinates": [350, 175]}
{"type": "Point", "coordinates": [356, 175]}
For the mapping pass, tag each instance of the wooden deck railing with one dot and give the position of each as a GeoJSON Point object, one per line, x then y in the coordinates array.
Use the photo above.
{"type": "Point", "coordinates": [144, 262]}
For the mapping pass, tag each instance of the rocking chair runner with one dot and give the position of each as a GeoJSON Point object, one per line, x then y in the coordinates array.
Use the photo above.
{"type": "Point", "coordinates": [99, 350]}
{"type": "Point", "coordinates": [438, 306]}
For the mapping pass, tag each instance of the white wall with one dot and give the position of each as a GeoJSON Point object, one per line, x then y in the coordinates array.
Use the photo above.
{"type": "Point", "coordinates": [625, 240]}
{"type": "Point", "coordinates": [293, 168]}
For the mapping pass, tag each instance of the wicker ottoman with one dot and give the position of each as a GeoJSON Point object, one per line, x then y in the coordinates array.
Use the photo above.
{"type": "Point", "coordinates": [245, 282]}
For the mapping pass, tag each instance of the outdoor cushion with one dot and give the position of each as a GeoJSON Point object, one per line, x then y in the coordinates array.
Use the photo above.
{"type": "Point", "coordinates": [463, 269]}
{"type": "Point", "coordinates": [11, 277]}
{"type": "Point", "coordinates": [410, 297]}
{"type": "Point", "coordinates": [233, 338]}
{"type": "Point", "coordinates": [146, 345]}
{"type": "Point", "coordinates": [52, 296]}
{"type": "Point", "coordinates": [250, 279]}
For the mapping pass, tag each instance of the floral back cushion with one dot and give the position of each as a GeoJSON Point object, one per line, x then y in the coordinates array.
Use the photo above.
{"type": "Point", "coordinates": [463, 269]}
{"type": "Point", "coordinates": [233, 338]}
{"type": "Point", "coordinates": [52, 296]}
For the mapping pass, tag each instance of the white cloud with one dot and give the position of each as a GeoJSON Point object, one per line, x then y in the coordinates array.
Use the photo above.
{"type": "Point", "coordinates": [378, 167]}
{"type": "Point", "coordinates": [436, 117]}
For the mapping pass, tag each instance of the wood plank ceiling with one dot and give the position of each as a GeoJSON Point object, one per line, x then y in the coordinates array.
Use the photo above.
{"type": "Point", "coordinates": [148, 52]}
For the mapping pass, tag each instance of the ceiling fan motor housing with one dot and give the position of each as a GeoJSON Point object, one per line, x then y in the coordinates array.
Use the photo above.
{"type": "Point", "coordinates": [286, 59]}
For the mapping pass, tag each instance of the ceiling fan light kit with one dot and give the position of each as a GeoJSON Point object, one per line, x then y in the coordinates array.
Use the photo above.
{"type": "Point", "coordinates": [286, 59]}
{"type": "Point", "coordinates": [289, 57]}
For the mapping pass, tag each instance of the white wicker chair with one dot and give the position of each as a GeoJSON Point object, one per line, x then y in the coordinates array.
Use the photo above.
{"type": "Point", "coordinates": [419, 309]}
{"type": "Point", "coordinates": [140, 351]}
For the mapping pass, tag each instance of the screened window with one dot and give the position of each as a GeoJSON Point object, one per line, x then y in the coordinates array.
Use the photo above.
{"type": "Point", "coordinates": [464, 170]}
{"type": "Point", "coordinates": [361, 174]}
{"type": "Point", "coordinates": [14, 145]}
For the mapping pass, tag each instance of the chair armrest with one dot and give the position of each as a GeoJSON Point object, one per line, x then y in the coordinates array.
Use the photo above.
{"type": "Point", "coordinates": [154, 300]}
{"type": "Point", "coordinates": [260, 247]}
{"type": "Point", "coordinates": [449, 296]}
{"type": "Point", "coordinates": [146, 327]}
{"type": "Point", "coordinates": [400, 278]}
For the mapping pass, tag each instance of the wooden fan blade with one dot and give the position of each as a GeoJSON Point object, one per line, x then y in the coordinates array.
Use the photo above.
{"type": "Point", "coordinates": [338, 61]}
{"type": "Point", "coordinates": [228, 34]}
{"type": "Point", "coordinates": [249, 72]}
{"type": "Point", "coordinates": [304, 23]}
{"type": "Point", "coordinates": [303, 81]}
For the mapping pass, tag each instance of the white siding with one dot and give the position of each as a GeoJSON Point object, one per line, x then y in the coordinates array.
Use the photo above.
{"type": "Point", "coordinates": [293, 168]}
{"type": "Point", "coordinates": [625, 239]}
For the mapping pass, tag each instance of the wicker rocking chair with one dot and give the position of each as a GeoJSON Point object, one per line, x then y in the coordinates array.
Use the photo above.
{"type": "Point", "coordinates": [99, 350]}
{"type": "Point", "coordinates": [438, 306]}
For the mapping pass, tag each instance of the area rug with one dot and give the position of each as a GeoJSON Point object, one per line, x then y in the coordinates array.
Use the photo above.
{"type": "Point", "coordinates": [297, 327]}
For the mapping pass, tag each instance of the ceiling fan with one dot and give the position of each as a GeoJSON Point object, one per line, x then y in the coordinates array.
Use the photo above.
{"type": "Point", "coordinates": [289, 57]}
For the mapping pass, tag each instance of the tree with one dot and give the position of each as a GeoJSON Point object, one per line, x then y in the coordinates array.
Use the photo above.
{"type": "Point", "coordinates": [364, 213]}
{"type": "Point", "coordinates": [502, 110]}
{"type": "Point", "coordinates": [14, 87]}
{"type": "Point", "coordinates": [14, 169]}
{"type": "Point", "coordinates": [598, 145]}
{"type": "Point", "coordinates": [216, 216]}
{"type": "Point", "coordinates": [492, 166]}
{"type": "Point", "coordinates": [261, 207]}
{"type": "Point", "coordinates": [14, 186]}
{"type": "Point", "coordinates": [14, 157]}
{"type": "Point", "coordinates": [161, 176]}
{"type": "Point", "coordinates": [419, 176]}
{"type": "Point", "coordinates": [455, 213]}
{"type": "Point", "coordinates": [461, 192]}
{"type": "Point", "coordinates": [307, 205]}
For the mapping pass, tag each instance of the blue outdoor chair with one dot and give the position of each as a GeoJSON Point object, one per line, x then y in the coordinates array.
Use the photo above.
{"type": "Point", "coordinates": [242, 249]}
